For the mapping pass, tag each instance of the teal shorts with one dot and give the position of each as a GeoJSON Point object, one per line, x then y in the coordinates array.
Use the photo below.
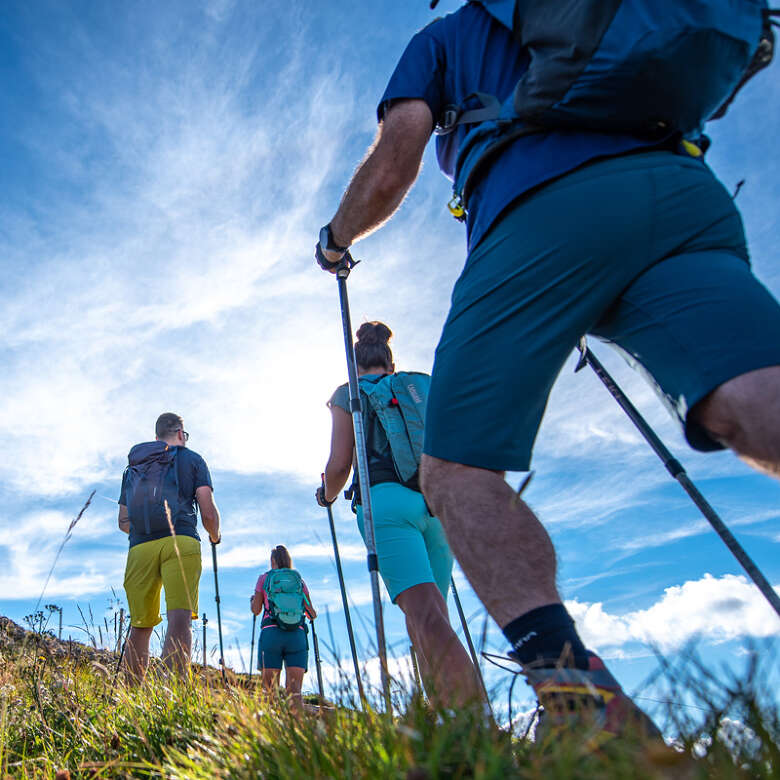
{"type": "Point", "coordinates": [410, 544]}
{"type": "Point", "coordinates": [645, 251]}
{"type": "Point", "coordinates": [278, 646]}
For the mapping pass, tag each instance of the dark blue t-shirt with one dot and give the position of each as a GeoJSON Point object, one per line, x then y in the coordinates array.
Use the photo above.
{"type": "Point", "coordinates": [192, 473]}
{"type": "Point", "coordinates": [468, 51]}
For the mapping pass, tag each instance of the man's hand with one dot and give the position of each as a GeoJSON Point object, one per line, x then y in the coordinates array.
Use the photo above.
{"type": "Point", "coordinates": [320, 496]}
{"type": "Point", "coordinates": [215, 541]}
{"type": "Point", "coordinates": [328, 260]}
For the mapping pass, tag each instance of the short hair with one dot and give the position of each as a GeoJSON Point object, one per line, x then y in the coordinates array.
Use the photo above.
{"type": "Point", "coordinates": [281, 557]}
{"type": "Point", "coordinates": [167, 424]}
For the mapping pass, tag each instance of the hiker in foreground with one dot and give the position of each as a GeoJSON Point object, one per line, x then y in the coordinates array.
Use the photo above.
{"type": "Point", "coordinates": [590, 217]}
{"type": "Point", "coordinates": [415, 560]}
{"type": "Point", "coordinates": [283, 598]}
{"type": "Point", "coordinates": [161, 486]}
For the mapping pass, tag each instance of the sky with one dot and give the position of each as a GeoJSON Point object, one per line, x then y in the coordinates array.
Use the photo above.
{"type": "Point", "coordinates": [164, 172]}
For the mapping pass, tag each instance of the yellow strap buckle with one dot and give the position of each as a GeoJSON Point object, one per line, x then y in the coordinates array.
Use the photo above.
{"type": "Point", "coordinates": [456, 208]}
{"type": "Point", "coordinates": [692, 149]}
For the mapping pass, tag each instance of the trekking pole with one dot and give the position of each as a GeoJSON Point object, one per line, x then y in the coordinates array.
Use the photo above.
{"type": "Point", "coordinates": [470, 644]}
{"type": "Point", "coordinates": [350, 632]}
{"type": "Point", "coordinates": [674, 467]}
{"type": "Point", "coordinates": [317, 662]}
{"type": "Point", "coordinates": [205, 621]}
{"type": "Point", "coordinates": [121, 626]}
{"type": "Point", "coordinates": [121, 656]}
{"type": "Point", "coordinates": [416, 670]}
{"type": "Point", "coordinates": [219, 613]}
{"type": "Point", "coordinates": [363, 481]}
{"type": "Point", "coordinates": [252, 648]}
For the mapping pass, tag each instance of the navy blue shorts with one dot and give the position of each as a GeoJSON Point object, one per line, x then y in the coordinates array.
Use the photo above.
{"type": "Point", "coordinates": [645, 251]}
{"type": "Point", "coordinates": [277, 646]}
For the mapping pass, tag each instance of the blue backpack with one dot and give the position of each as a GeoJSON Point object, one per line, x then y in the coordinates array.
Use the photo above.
{"type": "Point", "coordinates": [652, 68]}
{"type": "Point", "coordinates": [286, 598]}
{"type": "Point", "coordinates": [398, 401]}
{"type": "Point", "coordinates": [151, 482]}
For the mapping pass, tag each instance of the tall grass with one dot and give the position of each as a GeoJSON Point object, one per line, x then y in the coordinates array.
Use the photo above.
{"type": "Point", "coordinates": [62, 712]}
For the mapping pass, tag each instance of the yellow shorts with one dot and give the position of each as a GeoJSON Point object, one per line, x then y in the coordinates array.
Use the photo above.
{"type": "Point", "coordinates": [172, 563]}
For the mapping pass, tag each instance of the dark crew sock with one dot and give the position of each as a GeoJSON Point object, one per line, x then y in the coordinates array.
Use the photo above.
{"type": "Point", "coordinates": [540, 637]}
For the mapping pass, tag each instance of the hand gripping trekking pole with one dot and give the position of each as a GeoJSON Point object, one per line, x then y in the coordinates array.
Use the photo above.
{"type": "Point", "coordinates": [219, 613]}
{"type": "Point", "coordinates": [674, 467]}
{"type": "Point", "coordinates": [470, 644]}
{"type": "Point", "coordinates": [350, 632]}
{"type": "Point", "coordinates": [317, 662]}
{"type": "Point", "coordinates": [252, 647]}
{"type": "Point", "coordinates": [363, 480]}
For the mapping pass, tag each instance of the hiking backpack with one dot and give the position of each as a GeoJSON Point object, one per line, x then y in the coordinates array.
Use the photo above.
{"type": "Point", "coordinates": [398, 401]}
{"type": "Point", "coordinates": [651, 68]}
{"type": "Point", "coordinates": [151, 482]}
{"type": "Point", "coordinates": [286, 598]}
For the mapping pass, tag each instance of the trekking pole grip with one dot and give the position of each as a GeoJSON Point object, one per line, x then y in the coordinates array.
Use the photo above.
{"type": "Point", "coordinates": [346, 265]}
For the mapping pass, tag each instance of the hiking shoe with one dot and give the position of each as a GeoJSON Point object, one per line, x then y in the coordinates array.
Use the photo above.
{"type": "Point", "coordinates": [587, 699]}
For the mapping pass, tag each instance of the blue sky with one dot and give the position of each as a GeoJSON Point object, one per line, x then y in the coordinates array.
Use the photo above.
{"type": "Point", "coordinates": [165, 170]}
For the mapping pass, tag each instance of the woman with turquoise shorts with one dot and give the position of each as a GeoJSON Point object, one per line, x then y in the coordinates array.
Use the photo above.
{"type": "Point", "coordinates": [415, 561]}
{"type": "Point", "coordinates": [279, 646]}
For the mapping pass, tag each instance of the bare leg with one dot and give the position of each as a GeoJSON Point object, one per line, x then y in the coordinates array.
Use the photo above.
{"type": "Point", "coordinates": [137, 653]}
{"type": "Point", "coordinates": [178, 641]}
{"type": "Point", "coordinates": [447, 671]}
{"type": "Point", "coordinates": [744, 414]}
{"type": "Point", "coordinates": [271, 680]}
{"type": "Point", "coordinates": [293, 679]}
{"type": "Point", "coordinates": [498, 541]}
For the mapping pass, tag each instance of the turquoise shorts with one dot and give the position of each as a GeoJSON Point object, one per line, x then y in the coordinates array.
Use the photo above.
{"type": "Point", "coordinates": [410, 543]}
{"type": "Point", "coordinates": [645, 251]}
{"type": "Point", "coordinates": [278, 646]}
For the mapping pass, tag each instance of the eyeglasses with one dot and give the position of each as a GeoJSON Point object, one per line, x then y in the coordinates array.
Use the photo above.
{"type": "Point", "coordinates": [184, 434]}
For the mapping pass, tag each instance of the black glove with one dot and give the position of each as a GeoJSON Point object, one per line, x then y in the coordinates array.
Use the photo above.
{"type": "Point", "coordinates": [320, 496]}
{"type": "Point", "coordinates": [323, 261]}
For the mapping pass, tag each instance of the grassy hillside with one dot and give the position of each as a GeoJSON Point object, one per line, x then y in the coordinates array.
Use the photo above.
{"type": "Point", "coordinates": [62, 715]}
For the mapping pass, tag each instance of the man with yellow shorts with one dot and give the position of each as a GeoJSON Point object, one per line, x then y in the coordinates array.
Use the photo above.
{"type": "Point", "coordinates": [161, 486]}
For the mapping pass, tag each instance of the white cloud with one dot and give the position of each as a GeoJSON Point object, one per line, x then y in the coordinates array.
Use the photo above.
{"type": "Point", "coordinates": [714, 609]}
{"type": "Point", "coordinates": [252, 555]}
{"type": "Point", "coordinates": [29, 547]}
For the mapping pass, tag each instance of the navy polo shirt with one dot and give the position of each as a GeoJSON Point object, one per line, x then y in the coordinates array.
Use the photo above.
{"type": "Point", "coordinates": [469, 51]}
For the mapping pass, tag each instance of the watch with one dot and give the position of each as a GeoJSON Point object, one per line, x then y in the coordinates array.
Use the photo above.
{"type": "Point", "coordinates": [327, 242]}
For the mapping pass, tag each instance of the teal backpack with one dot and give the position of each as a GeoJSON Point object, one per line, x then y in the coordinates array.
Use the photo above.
{"type": "Point", "coordinates": [286, 598]}
{"type": "Point", "coordinates": [398, 401]}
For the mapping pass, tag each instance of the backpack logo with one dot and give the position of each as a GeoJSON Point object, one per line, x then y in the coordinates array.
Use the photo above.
{"type": "Point", "coordinates": [286, 598]}
{"type": "Point", "coordinates": [414, 394]}
{"type": "Point", "coordinates": [151, 483]}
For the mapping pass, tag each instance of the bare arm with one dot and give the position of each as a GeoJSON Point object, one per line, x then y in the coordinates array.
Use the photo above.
{"type": "Point", "coordinates": [209, 514]}
{"type": "Point", "coordinates": [256, 603]}
{"type": "Point", "coordinates": [342, 444]}
{"type": "Point", "coordinates": [308, 607]}
{"type": "Point", "coordinates": [382, 180]}
{"type": "Point", "coordinates": [123, 519]}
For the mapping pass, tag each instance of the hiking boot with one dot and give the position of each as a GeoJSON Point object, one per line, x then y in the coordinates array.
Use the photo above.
{"type": "Point", "coordinates": [587, 699]}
